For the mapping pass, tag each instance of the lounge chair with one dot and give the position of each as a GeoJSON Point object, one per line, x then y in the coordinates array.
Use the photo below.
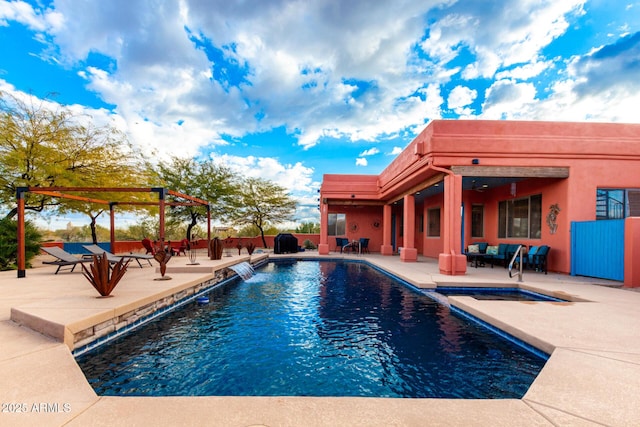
{"type": "Point", "coordinates": [97, 250]}
{"type": "Point", "coordinates": [64, 258]}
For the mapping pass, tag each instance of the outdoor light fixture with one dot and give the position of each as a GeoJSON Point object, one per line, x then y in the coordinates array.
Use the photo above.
{"type": "Point", "coordinates": [475, 161]}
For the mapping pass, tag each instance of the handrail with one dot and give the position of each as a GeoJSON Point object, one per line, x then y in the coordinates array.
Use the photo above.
{"type": "Point", "coordinates": [513, 259]}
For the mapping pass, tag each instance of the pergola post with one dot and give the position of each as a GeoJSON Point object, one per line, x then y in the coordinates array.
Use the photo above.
{"type": "Point", "coordinates": [161, 208]}
{"type": "Point", "coordinates": [112, 230]}
{"type": "Point", "coordinates": [208, 230]}
{"type": "Point", "coordinates": [22, 272]}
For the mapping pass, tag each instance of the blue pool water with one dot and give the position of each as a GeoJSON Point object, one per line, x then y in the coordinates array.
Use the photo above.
{"type": "Point", "coordinates": [498, 294]}
{"type": "Point", "coordinates": [313, 329]}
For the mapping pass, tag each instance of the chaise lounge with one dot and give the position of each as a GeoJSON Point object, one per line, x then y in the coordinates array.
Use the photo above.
{"type": "Point", "coordinates": [97, 250]}
{"type": "Point", "coordinates": [64, 258]}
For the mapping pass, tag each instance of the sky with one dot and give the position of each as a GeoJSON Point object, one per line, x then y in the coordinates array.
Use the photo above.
{"type": "Point", "coordinates": [291, 90]}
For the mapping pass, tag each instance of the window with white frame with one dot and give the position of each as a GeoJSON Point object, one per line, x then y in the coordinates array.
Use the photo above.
{"type": "Point", "coordinates": [336, 224]}
{"type": "Point", "coordinates": [521, 218]}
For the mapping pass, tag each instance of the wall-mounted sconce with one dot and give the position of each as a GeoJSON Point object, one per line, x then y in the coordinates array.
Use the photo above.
{"type": "Point", "coordinates": [353, 196]}
{"type": "Point", "coordinates": [475, 161]}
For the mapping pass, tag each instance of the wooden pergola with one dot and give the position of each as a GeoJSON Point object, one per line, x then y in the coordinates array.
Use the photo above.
{"type": "Point", "coordinates": [63, 192]}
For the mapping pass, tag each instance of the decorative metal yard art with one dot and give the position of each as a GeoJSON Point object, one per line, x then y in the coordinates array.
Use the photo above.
{"type": "Point", "coordinates": [251, 247]}
{"type": "Point", "coordinates": [103, 276]}
{"type": "Point", "coordinates": [552, 217]}
{"type": "Point", "coordinates": [163, 258]}
{"type": "Point", "coordinates": [216, 248]}
{"type": "Point", "coordinates": [192, 253]}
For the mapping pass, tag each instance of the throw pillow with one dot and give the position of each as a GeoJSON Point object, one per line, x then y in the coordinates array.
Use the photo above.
{"type": "Point", "coordinates": [473, 249]}
{"type": "Point", "coordinates": [492, 250]}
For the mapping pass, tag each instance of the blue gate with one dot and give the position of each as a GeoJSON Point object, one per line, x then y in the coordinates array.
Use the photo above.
{"type": "Point", "coordinates": [597, 249]}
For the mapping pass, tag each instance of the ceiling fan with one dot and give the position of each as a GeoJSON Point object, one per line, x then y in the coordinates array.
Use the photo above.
{"type": "Point", "coordinates": [479, 189]}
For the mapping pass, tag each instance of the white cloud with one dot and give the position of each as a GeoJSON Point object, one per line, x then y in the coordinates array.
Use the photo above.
{"type": "Point", "coordinates": [506, 98]}
{"type": "Point", "coordinates": [24, 13]}
{"type": "Point", "coordinates": [500, 33]}
{"type": "Point", "coordinates": [461, 96]}
{"type": "Point", "coordinates": [361, 161]}
{"type": "Point", "coordinates": [369, 152]}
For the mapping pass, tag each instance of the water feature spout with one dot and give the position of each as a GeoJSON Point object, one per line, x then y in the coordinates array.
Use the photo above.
{"type": "Point", "coordinates": [244, 270]}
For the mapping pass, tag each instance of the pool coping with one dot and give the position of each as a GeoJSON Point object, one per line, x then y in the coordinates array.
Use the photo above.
{"type": "Point", "coordinates": [588, 378]}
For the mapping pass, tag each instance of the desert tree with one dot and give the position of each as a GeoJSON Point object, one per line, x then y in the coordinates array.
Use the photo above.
{"type": "Point", "coordinates": [43, 144]}
{"type": "Point", "coordinates": [262, 203]}
{"type": "Point", "coordinates": [202, 179]}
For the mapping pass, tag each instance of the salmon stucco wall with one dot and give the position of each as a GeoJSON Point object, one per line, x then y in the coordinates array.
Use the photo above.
{"type": "Point", "coordinates": [362, 222]}
{"type": "Point", "coordinates": [433, 245]}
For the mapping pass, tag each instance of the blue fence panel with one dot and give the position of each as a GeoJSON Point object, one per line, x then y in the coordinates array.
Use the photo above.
{"type": "Point", "coordinates": [597, 249]}
{"type": "Point", "coordinates": [76, 247]}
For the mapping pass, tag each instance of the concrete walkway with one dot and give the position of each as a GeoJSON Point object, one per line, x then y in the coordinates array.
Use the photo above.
{"type": "Point", "coordinates": [592, 377]}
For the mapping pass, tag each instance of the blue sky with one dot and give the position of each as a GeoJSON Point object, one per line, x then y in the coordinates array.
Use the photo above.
{"type": "Point", "coordinates": [291, 90]}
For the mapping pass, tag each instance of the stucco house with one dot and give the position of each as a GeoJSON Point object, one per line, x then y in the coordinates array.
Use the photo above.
{"type": "Point", "coordinates": [466, 181]}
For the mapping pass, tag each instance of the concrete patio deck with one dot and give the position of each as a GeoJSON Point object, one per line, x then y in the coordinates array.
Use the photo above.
{"type": "Point", "coordinates": [591, 378]}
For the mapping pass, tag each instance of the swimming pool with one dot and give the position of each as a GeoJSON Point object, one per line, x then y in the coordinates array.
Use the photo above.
{"type": "Point", "coordinates": [313, 328]}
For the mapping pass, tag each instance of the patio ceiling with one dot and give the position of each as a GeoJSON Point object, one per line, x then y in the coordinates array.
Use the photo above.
{"type": "Point", "coordinates": [483, 178]}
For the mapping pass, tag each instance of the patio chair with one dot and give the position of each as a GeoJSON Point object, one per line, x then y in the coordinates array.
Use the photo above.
{"type": "Point", "coordinates": [148, 246]}
{"type": "Point", "coordinates": [341, 242]}
{"type": "Point", "coordinates": [97, 250]}
{"type": "Point", "coordinates": [528, 257]}
{"type": "Point", "coordinates": [64, 258]}
{"type": "Point", "coordinates": [183, 248]}
{"type": "Point", "coordinates": [538, 261]}
{"type": "Point", "coordinates": [364, 245]}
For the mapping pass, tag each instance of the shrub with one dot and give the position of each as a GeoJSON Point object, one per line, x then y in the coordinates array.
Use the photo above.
{"type": "Point", "coordinates": [308, 244]}
{"type": "Point", "coordinates": [9, 243]}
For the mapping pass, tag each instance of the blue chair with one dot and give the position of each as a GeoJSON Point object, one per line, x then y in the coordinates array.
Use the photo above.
{"type": "Point", "coordinates": [341, 242]}
{"type": "Point", "coordinates": [538, 261]}
{"type": "Point", "coordinates": [364, 245]}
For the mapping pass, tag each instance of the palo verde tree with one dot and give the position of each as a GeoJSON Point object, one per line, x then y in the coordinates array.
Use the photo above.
{"type": "Point", "coordinates": [262, 203]}
{"type": "Point", "coordinates": [113, 164]}
{"type": "Point", "coordinates": [202, 179]}
{"type": "Point", "coordinates": [43, 144]}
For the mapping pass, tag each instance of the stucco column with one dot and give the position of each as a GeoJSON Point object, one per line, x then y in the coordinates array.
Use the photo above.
{"type": "Point", "coordinates": [631, 252]}
{"type": "Point", "coordinates": [409, 252]}
{"type": "Point", "coordinates": [386, 248]}
{"type": "Point", "coordinates": [452, 261]}
{"type": "Point", "coordinates": [323, 246]}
